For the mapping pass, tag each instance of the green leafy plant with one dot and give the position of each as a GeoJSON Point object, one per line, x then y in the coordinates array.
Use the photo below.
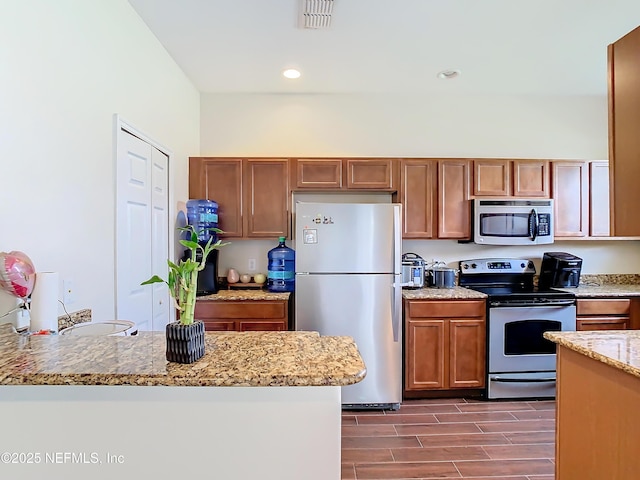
{"type": "Point", "coordinates": [183, 276]}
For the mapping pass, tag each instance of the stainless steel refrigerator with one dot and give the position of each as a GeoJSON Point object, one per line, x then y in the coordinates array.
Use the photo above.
{"type": "Point", "coordinates": [348, 282]}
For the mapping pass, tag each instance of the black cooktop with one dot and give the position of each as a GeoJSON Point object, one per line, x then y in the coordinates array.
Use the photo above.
{"type": "Point", "coordinates": [530, 295]}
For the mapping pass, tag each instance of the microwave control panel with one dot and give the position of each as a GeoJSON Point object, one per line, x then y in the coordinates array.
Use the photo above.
{"type": "Point", "coordinates": [544, 224]}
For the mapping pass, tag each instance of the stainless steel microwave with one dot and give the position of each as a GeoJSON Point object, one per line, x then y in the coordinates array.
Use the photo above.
{"type": "Point", "coordinates": [522, 221]}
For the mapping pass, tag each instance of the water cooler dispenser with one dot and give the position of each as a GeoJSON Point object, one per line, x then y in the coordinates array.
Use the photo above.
{"type": "Point", "coordinates": [203, 216]}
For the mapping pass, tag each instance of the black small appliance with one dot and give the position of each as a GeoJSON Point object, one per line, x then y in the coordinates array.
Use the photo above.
{"type": "Point", "coordinates": [559, 270]}
{"type": "Point", "coordinates": [207, 278]}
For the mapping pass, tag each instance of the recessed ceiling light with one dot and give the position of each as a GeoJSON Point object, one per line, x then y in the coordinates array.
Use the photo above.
{"type": "Point", "coordinates": [291, 73]}
{"type": "Point", "coordinates": [449, 74]}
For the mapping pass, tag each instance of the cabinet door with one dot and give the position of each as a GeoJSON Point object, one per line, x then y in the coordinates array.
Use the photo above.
{"type": "Point", "coordinates": [599, 199]}
{"type": "Point", "coordinates": [317, 173]}
{"type": "Point", "coordinates": [531, 178]}
{"type": "Point", "coordinates": [466, 353]}
{"type": "Point", "coordinates": [266, 197]}
{"type": "Point", "coordinates": [425, 355]}
{"type": "Point", "coordinates": [492, 178]}
{"type": "Point", "coordinates": [220, 180]}
{"type": "Point", "coordinates": [624, 141]}
{"type": "Point", "coordinates": [418, 194]}
{"type": "Point", "coordinates": [571, 194]}
{"type": "Point", "coordinates": [370, 174]}
{"type": "Point", "coordinates": [454, 206]}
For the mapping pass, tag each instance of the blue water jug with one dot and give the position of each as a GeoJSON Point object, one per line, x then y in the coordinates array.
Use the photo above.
{"type": "Point", "coordinates": [203, 216]}
{"type": "Point", "coordinates": [281, 268]}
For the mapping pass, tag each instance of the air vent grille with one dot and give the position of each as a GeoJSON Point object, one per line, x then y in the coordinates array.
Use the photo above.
{"type": "Point", "coordinates": [316, 13]}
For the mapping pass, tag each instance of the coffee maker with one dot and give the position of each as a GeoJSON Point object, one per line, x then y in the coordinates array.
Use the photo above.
{"type": "Point", "coordinates": [559, 270]}
{"type": "Point", "coordinates": [208, 277]}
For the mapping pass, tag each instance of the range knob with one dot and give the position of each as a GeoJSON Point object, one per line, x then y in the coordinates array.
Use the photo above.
{"type": "Point", "coordinates": [465, 266]}
{"type": "Point", "coordinates": [530, 264]}
{"type": "Point", "coordinates": [473, 265]}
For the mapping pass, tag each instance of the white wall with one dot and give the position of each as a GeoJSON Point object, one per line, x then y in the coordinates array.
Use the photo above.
{"type": "Point", "coordinates": [66, 67]}
{"type": "Point", "coordinates": [416, 126]}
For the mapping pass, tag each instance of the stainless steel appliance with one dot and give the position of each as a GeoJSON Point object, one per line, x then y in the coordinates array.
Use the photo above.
{"type": "Point", "coordinates": [443, 277]}
{"type": "Point", "coordinates": [522, 221]}
{"type": "Point", "coordinates": [349, 282]}
{"type": "Point", "coordinates": [413, 273]}
{"type": "Point", "coordinates": [560, 270]}
{"type": "Point", "coordinates": [521, 363]}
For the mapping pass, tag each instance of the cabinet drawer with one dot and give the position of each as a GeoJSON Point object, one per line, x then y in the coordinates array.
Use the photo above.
{"type": "Point", "coordinates": [603, 306]}
{"type": "Point", "coordinates": [214, 326]}
{"type": "Point", "coordinates": [239, 310]}
{"type": "Point", "coordinates": [261, 326]}
{"type": "Point", "coordinates": [602, 323]}
{"type": "Point", "coordinates": [447, 309]}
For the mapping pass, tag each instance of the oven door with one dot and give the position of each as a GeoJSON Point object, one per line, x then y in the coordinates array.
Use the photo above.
{"type": "Point", "coordinates": [516, 342]}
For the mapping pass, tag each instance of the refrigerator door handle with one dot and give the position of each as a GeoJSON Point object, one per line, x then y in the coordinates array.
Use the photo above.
{"type": "Point", "coordinates": [397, 239]}
{"type": "Point", "coordinates": [396, 310]}
{"type": "Point", "coordinates": [396, 301]}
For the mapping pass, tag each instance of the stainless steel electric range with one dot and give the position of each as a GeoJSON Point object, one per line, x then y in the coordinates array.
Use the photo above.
{"type": "Point", "coordinates": [520, 362]}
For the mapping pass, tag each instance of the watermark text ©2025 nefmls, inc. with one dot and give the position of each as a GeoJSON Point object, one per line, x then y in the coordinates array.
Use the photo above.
{"type": "Point", "coordinates": [65, 458]}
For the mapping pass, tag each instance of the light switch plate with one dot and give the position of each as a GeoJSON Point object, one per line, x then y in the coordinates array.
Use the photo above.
{"type": "Point", "coordinates": [252, 265]}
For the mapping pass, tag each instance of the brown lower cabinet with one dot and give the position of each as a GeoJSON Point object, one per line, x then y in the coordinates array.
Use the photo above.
{"type": "Point", "coordinates": [243, 315]}
{"type": "Point", "coordinates": [602, 313]}
{"type": "Point", "coordinates": [444, 344]}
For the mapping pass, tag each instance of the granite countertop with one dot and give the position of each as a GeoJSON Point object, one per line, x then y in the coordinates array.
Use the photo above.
{"type": "Point", "coordinates": [456, 293]}
{"type": "Point", "coordinates": [231, 359]}
{"type": "Point", "coordinates": [617, 348]}
{"type": "Point", "coordinates": [248, 294]}
{"type": "Point", "coordinates": [606, 290]}
{"type": "Point", "coordinates": [606, 285]}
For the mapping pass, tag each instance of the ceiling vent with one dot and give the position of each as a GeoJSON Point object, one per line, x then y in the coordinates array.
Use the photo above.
{"type": "Point", "coordinates": [316, 13]}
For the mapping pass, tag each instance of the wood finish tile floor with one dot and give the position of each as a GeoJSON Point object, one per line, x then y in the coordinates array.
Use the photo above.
{"type": "Point", "coordinates": [451, 438]}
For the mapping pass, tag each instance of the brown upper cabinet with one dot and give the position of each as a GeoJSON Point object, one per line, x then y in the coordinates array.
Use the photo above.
{"type": "Point", "coordinates": [581, 199]}
{"type": "Point", "coordinates": [252, 194]}
{"type": "Point", "coordinates": [435, 197]}
{"type": "Point", "coordinates": [507, 178]}
{"type": "Point", "coordinates": [624, 141]}
{"type": "Point", "coordinates": [571, 198]}
{"type": "Point", "coordinates": [599, 215]}
{"type": "Point", "coordinates": [379, 174]}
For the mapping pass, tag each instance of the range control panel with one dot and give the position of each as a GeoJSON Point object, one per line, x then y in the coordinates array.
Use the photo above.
{"type": "Point", "coordinates": [497, 265]}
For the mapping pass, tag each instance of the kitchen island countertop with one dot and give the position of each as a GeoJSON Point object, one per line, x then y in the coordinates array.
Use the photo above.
{"type": "Point", "coordinates": [597, 394]}
{"type": "Point", "coordinates": [231, 359]}
{"type": "Point", "coordinates": [617, 348]}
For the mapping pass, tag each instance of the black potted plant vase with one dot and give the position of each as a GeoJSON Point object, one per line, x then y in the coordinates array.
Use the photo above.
{"type": "Point", "coordinates": [185, 343]}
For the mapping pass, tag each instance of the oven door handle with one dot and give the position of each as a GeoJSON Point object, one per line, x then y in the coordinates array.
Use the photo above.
{"type": "Point", "coordinates": [557, 303]}
{"type": "Point", "coordinates": [497, 378]}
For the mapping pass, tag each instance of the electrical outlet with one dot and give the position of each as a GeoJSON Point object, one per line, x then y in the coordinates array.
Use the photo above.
{"type": "Point", "coordinates": [252, 265]}
{"type": "Point", "coordinates": [68, 294]}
